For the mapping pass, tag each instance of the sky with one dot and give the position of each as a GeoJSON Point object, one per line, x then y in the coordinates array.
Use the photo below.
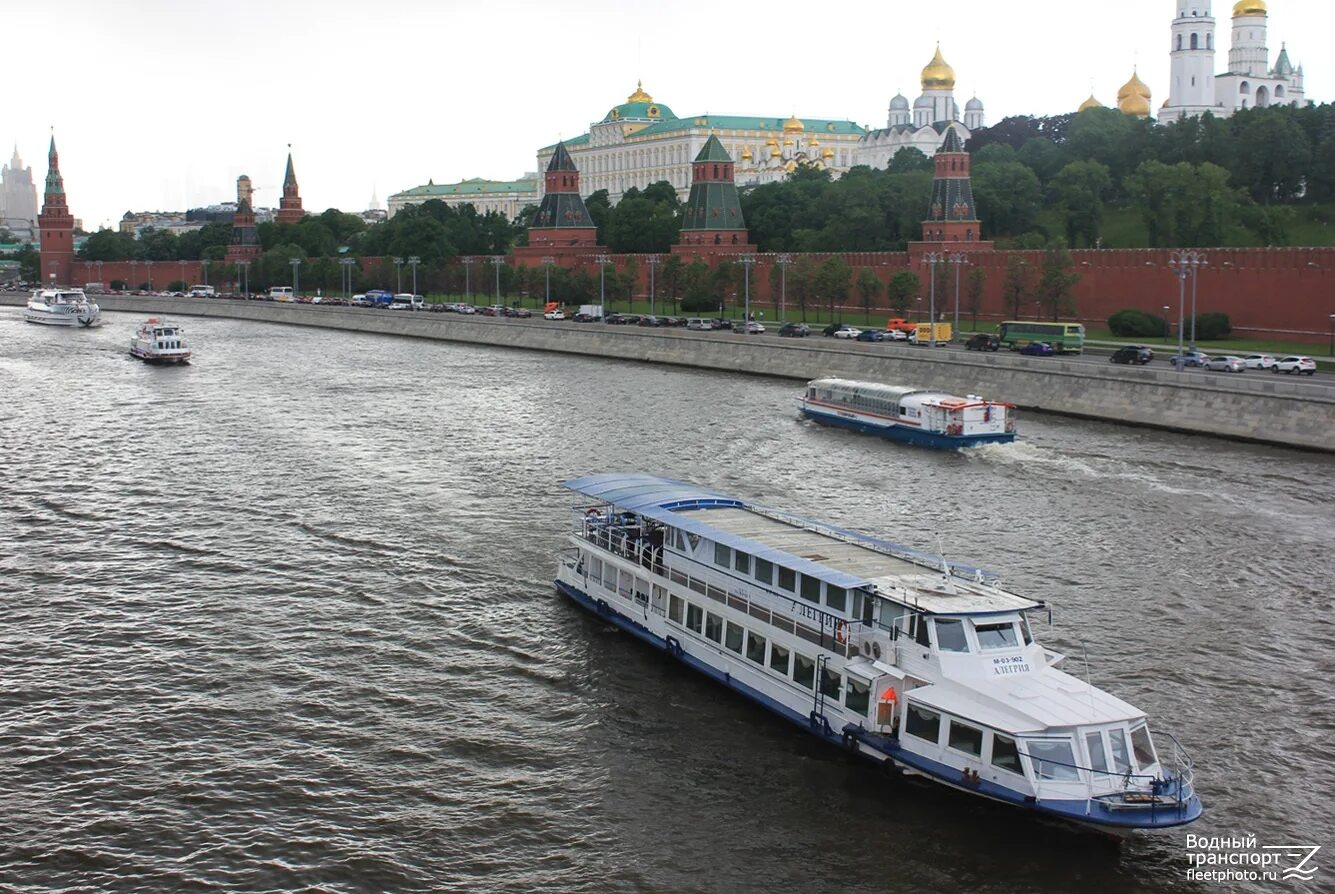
{"type": "Point", "coordinates": [161, 104]}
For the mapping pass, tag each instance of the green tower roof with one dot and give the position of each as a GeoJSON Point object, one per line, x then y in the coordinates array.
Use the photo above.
{"type": "Point", "coordinates": [713, 151]}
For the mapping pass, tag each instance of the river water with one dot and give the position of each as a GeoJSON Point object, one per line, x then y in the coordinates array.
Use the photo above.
{"type": "Point", "coordinates": [283, 620]}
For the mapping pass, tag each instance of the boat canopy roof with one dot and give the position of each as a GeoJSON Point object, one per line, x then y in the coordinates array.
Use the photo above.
{"type": "Point", "coordinates": [1027, 703]}
{"type": "Point", "coordinates": [834, 555]}
{"type": "Point", "coordinates": [871, 389]}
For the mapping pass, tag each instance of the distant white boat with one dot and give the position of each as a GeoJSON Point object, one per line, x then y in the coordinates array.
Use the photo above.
{"type": "Point", "coordinates": [912, 415]}
{"type": "Point", "coordinates": [62, 307]}
{"type": "Point", "coordinates": [158, 341]}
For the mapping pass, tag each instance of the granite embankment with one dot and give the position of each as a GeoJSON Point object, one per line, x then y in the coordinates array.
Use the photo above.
{"type": "Point", "coordinates": [1271, 410]}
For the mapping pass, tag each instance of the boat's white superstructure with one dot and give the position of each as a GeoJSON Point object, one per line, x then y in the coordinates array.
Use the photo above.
{"type": "Point", "coordinates": [897, 655]}
{"type": "Point", "coordinates": [912, 415]}
{"type": "Point", "coordinates": [158, 341]}
{"type": "Point", "coordinates": [62, 307]}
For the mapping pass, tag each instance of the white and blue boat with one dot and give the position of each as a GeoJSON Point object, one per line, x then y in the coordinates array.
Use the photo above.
{"type": "Point", "coordinates": [925, 666]}
{"type": "Point", "coordinates": [912, 415]}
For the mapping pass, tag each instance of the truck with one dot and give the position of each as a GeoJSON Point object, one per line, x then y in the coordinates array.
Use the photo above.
{"type": "Point", "coordinates": [595, 311]}
{"type": "Point", "coordinates": [899, 324]}
{"type": "Point", "coordinates": [925, 334]}
{"type": "Point", "coordinates": [379, 297]}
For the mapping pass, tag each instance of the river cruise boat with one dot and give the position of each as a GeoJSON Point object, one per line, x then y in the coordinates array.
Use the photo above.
{"type": "Point", "coordinates": [158, 341]}
{"type": "Point", "coordinates": [62, 307]}
{"type": "Point", "coordinates": [925, 666]}
{"type": "Point", "coordinates": [912, 415]}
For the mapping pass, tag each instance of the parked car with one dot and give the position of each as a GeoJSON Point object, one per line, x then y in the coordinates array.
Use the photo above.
{"type": "Point", "coordinates": [1295, 364]}
{"type": "Point", "coordinates": [871, 335]}
{"type": "Point", "coordinates": [1258, 361]}
{"type": "Point", "coordinates": [614, 319]}
{"type": "Point", "coordinates": [651, 320]}
{"type": "Point", "coordinates": [1038, 349]}
{"type": "Point", "coordinates": [585, 318]}
{"type": "Point", "coordinates": [901, 335]}
{"type": "Point", "coordinates": [833, 328]}
{"type": "Point", "coordinates": [1190, 358]}
{"type": "Point", "coordinates": [794, 330]}
{"type": "Point", "coordinates": [1140, 354]}
{"type": "Point", "coordinates": [848, 332]}
{"type": "Point", "coordinates": [1225, 363]}
{"type": "Point", "coordinates": [554, 315]}
{"type": "Point", "coordinates": [750, 327]}
{"type": "Point", "coordinates": [522, 313]}
{"type": "Point", "coordinates": [696, 324]}
{"type": "Point", "coordinates": [983, 341]}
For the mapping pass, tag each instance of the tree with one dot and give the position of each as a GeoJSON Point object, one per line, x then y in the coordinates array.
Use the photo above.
{"type": "Point", "coordinates": [903, 293]}
{"type": "Point", "coordinates": [109, 245]}
{"type": "Point", "coordinates": [1016, 286]}
{"type": "Point", "coordinates": [1183, 205]}
{"type": "Point", "coordinates": [630, 278]}
{"type": "Point", "coordinates": [909, 159]}
{"type": "Point", "coordinates": [1056, 285]}
{"type": "Point", "coordinates": [1078, 191]}
{"type": "Point", "coordinates": [673, 277]}
{"type": "Point", "coordinates": [802, 281]}
{"type": "Point", "coordinates": [833, 281]}
{"type": "Point", "coordinates": [700, 296]}
{"type": "Point", "coordinates": [1009, 198]}
{"type": "Point", "coordinates": [724, 280]}
{"type": "Point", "coordinates": [869, 287]}
{"type": "Point", "coordinates": [973, 293]}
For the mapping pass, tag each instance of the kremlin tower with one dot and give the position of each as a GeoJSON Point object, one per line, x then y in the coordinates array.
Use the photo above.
{"type": "Point", "coordinates": [289, 207]}
{"type": "Point", "coordinates": [56, 226]}
{"type": "Point", "coordinates": [562, 223]}
{"type": "Point", "coordinates": [245, 244]}
{"type": "Point", "coordinates": [711, 219]}
{"type": "Point", "coordinates": [953, 216]}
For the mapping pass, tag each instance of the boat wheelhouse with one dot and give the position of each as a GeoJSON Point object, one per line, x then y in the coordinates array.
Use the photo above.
{"type": "Point", "coordinates": [158, 341]}
{"type": "Point", "coordinates": [895, 654]}
{"type": "Point", "coordinates": [912, 415]}
{"type": "Point", "coordinates": [62, 307]}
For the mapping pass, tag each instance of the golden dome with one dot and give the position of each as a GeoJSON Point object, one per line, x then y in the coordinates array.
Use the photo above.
{"type": "Point", "coordinates": [774, 152]}
{"type": "Point", "coordinates": [813, 142]}
{"type": "Point", "coordinates": [792, 125]}
{"type": "Point", "coordinates": [828, 153]}
{"type": "Point", "coordinates": [772, 141]}
{"type": "Point", "coordinates": [1133, 87]}
{"type": "Point", "coordinates": [1249, 8]}
{"type": "Point", "coordinates": [788, 142]}
{"type": "Point", "coordinates": [746, 155]}
{"type": "Point", "coordinates": [1136, 106]}
{"type": "Point", "coordinates": [1090, 103]}
{"type": "Point", "coordinates": [938, 75]}
{"type": "Point", "coordinates": [639, 95]}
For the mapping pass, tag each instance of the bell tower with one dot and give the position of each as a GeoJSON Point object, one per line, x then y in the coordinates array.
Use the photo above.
{"type": "Point", "coordinates": [55, 225]}
{"type": "Point", "coordinates": [1191, 82]}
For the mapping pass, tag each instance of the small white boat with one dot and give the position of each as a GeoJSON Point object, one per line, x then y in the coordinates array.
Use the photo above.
{"type": "Point", "coordinates": [158, 341]}
{"type": "Point", "coordinates": [912, 415]}
{"type": "Point", "coordinates": [62, 307]}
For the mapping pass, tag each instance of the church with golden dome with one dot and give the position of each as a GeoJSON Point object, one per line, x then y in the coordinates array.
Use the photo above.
{"type": "Point", "coordinates": [922, 126]}
{"type": "Point", "coordinates": [1250, 80]}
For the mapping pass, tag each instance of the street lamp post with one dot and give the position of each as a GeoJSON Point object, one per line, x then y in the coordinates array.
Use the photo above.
{"type": "Point", "coordinates": [783, 261]}
{"type": "Point", "coordinates": [99, 275]}
{"type": "Point", "coordinates": [652, 261]}
{"type": "Point", "coordinates": [602, 261]}
{"type": "Point", "coordinates": [1184, 264]}
{"type": "Point", "coordinates": [468, 263]}
{"type": "Point", "coordinates": [1195, 275]}
{"type": "Point", "coordinates": [204, 268]}
{"type": "Point", "coordinates": [747, 262]}
{"type": "Point", "coordinates": [960, 260]}
{"type": "Point", "coordinates": [149, 265]}
{"type": "Point", "coordinates": [932, 258]}
{"type": "Point", "coordinates": [296, 277]}
{"type": "Point", "coordinates": [497, 262]}
{"type": "Point", "coordinates": [184, 284]}
{"type": "Point", "coordinates": [244, 267]}
{"type": "Point", "coordinates": [1166, 325]}
{"type": "Point", "coordinates": [1332, 335]}
{"type": "Point", "coordinates": [134, 274]}
{"type": "Point", "coordinates": [547, 263]}
{"type": "Point", "coordinates": [413, 262]}
{"type": "Point", "coordinates": [398, 274]}
{"type": "Point", "coordinates": [347, 265]}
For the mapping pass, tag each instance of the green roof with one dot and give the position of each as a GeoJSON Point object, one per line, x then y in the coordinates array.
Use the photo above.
{"type": "Point", "coordinates": [814, 126]}
{"type": "Point", "coordinates": [581, 140]}
{"type": "Point", "coordinates": [713, 151]}
{"type": "Point", "coordinates": [639, 111]}
{"type": "Point", "coordinates": [475, 186]}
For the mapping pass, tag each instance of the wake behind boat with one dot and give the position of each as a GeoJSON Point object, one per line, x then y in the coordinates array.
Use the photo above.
{"type": "Point", "coordinates": [912, 415]}
{"type": "Point", "coordinates": [918, 664]}
{"type": "Point", "coordinates": [158, 341]}
{"type": "Point", "coordinates": [62, 307]}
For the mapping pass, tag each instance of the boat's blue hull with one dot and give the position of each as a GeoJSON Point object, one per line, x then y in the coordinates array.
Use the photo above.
{"type": "Point", "coordinates": [1081, 812]}
{"type": "Point", "coordinates": [907, 434]}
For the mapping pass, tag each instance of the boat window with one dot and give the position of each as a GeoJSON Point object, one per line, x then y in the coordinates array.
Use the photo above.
{"type": "Point", "coordinates": [596, 570]}
{"type": "Point", "coordinates": [1052, 758]}
{"type": "Point", "coordinates": [922, 723]}
{"type": "Point", "coordinates": [625, 581]}
{"type": "Point", "coordinates": [787, 579]}
{"type": "Point", "coordinates": [1143, 747]}
{"type": "Point", "coordinates": [755, 648]}
{"type": "Point", "coordinates": [675, 608]}
{"type": "Point", "coordinates": [857, 697]}
{"type": "Point", "coordinates": [764, 571]}
{"type": "Point", "coordinates": [804, 671]}
{"type": "Point", "coordinates": [811, 589]}
{"type": "Point", "coordinates": [742, 562]}
{"type": "Point", "coordinates": [1005, 755]}
{"type": "Point", "coordinates": [714, 627]}
{"type": "Point", "coordinates": [734, 640]}
{"type": "Point", "coordinates": [830, 682]}
{"type": "Point", "coordinates": [836, 597]}
{"type": "Point", "coordinates": [722, 555]}
{"type": "Point", "coordinates": [997, 636]}
{"type": "Point", "coordinates": [950, 635]}
{"type": "Point", "coordinates": [1098, 760]}
{"type": "Point", "coordinates": [695, 617]}
{"type": "Point", "coordinates": [966, 738]}
{"type": "Point", "coordinates": [778, 658]}
{"type": "Point", "coordinates": [1121, 757]}
{"type": "Point", "coordinates": [1025, 632]}
{"type": "Point", "coordinates": [920, 627]}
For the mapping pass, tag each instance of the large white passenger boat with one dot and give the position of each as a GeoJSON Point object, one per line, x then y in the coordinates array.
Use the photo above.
{"type": "Point", "coordinates": [912, 415]}
{"type": "Point", "coordinates": [927, 666]}
{"type": "Point", "coordinates": [158, 341]}
{"type": "Point", "coordinates": [62, 307]}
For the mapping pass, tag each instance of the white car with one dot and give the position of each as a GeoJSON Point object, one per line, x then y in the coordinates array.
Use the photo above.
{"type": "Point", "coordinates": [1225, 363]}
{"type": "Point", "coordinates": [1258, 361]}
{"type": "Point", "coordinates": [554, 315]}
{"type": "Point", "coordinates": [847, 332]}
{"type": "Point", "coordinates": [898, 335]}
{"type": "Point", "coordinates": [749, 328]}
{"type": "Point", "coordinates": [1295, 364]}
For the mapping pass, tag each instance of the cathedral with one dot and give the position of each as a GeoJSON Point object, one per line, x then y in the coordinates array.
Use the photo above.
{"type": "Point", "coordinates": [18, 198]}
{"type": "Point", "coordinates": [1250, 81]}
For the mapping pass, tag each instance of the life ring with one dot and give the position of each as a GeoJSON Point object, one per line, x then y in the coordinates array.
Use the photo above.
{"type": "Point", "coordinates": [840, 632]}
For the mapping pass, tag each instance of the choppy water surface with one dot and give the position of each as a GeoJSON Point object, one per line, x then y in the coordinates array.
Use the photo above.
{"type": "Point", "coordinates": [283, 621]}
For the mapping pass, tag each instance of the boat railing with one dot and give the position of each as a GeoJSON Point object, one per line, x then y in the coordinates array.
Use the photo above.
{"type": "Point", "coordinates": [1127, 790]}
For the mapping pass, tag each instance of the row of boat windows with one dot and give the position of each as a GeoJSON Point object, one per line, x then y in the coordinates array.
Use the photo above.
{"type": "Point", "coordinates": [953, 634]}
{"type": "Point", "coordinates": [857, 400]}
{"type": "Point", "coordinates": [778, 659]}
{"type": "Point", "coordinates": [788, 580]}
{"type": "Point", "coordinates": [1109, 751]}
{"type": "Point", "coordinates": [166, 345]}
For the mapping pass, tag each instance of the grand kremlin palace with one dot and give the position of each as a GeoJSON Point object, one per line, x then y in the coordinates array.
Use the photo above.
{"type": "Point", "coordinates": [641, 142]}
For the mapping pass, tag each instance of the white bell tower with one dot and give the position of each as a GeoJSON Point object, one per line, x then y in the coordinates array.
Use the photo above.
{"type": "Point", "coordinates": [1191, 83]}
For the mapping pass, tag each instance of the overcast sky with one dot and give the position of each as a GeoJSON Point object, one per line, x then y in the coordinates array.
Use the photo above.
{"type": "Point", "coordinates": [161, 104]}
